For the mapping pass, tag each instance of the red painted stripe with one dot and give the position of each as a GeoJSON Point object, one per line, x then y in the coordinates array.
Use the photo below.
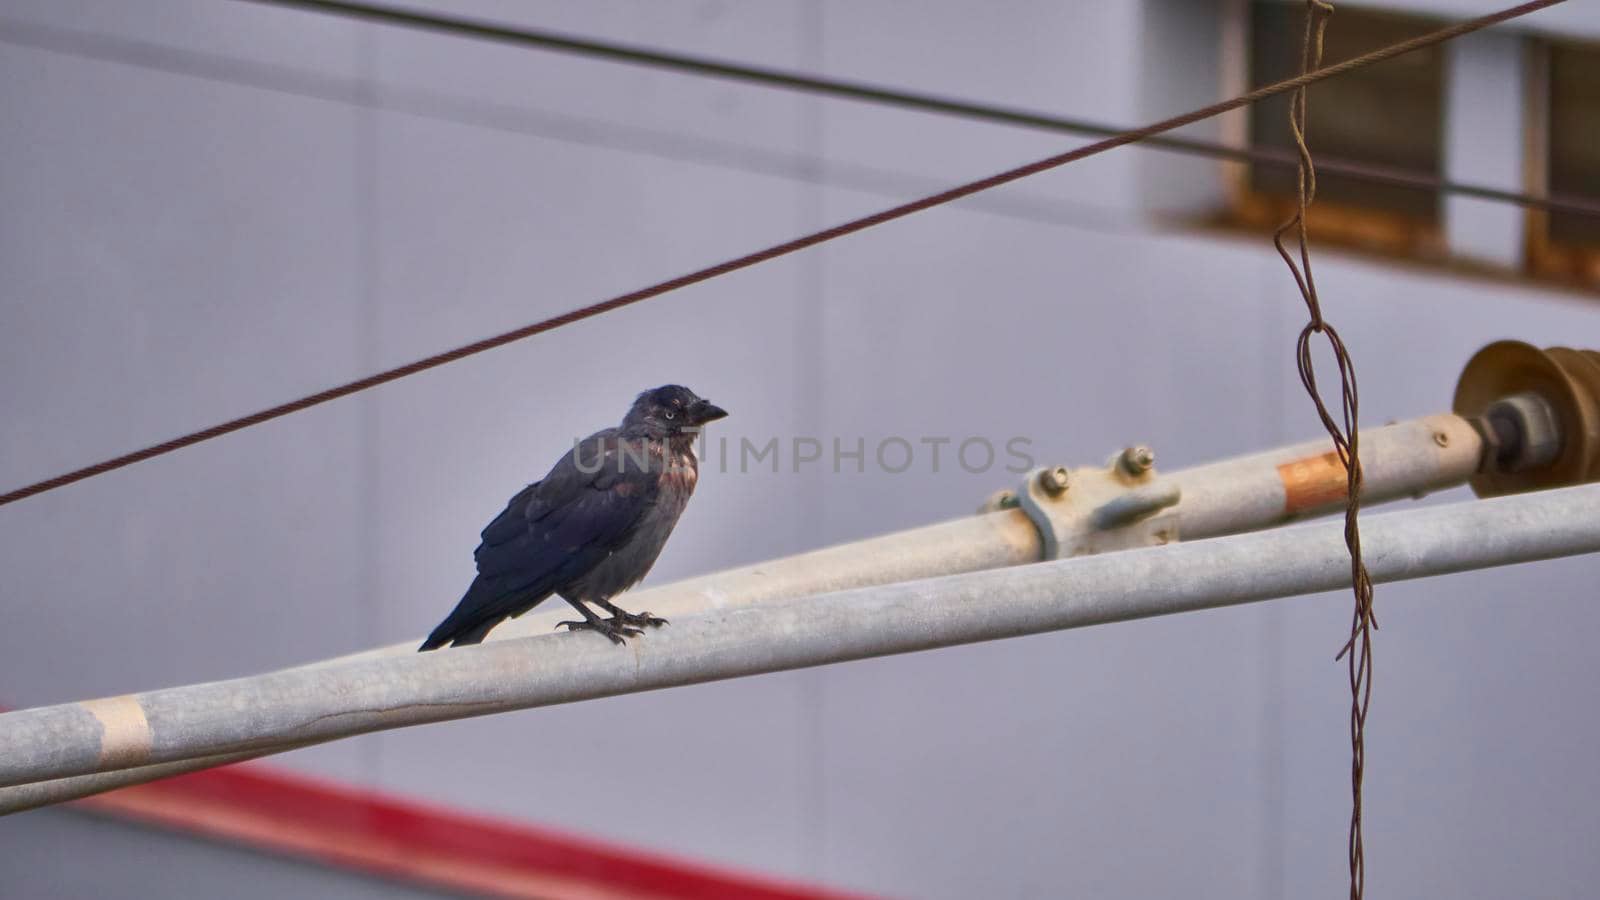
{"type": "Point", "coordinates": [273, 810]}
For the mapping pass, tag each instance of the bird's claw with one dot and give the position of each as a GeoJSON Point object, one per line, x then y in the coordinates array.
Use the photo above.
{"type": "Point", "coordinates": [644, 619]}
{"type": "Point", "coordinates": [616, 632]}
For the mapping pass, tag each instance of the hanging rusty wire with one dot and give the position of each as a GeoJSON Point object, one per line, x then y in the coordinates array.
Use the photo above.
{"type": "Point", "coordinates": [1345, 432]}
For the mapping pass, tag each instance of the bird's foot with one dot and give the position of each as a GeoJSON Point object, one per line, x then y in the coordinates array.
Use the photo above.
{"type": "Point", "coordinates": [617, 632]}
{"type": "Point", "coordinates": [642, 619]}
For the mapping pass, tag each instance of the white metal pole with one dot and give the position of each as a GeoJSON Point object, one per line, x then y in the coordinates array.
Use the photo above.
{"type": "Point", "coordinates": [1401, 460]}
{"type": "Point", "coordinates": [294, 707]}
{"type": "Point", "coordinates": [1404, 459]}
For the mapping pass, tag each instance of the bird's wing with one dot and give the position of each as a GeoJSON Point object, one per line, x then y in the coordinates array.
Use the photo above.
{"type": "Point", "coordinates": [512, 521]}
{"type": "Point", "coordinates": [559, 486]}
{"type": "Point", "coordinates": [561, 526]}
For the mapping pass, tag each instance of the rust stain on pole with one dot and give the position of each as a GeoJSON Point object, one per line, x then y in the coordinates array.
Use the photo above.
{"type": "Point", "coordinates": [1312, 482]}
{"type": "Point", "coordinates": [125, 737]}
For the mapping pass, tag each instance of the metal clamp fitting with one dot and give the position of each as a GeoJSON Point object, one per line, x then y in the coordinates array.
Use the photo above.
{"type": "Point", "coordinates": [1094, 510]}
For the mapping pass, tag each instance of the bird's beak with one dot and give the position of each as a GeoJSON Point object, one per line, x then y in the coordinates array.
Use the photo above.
{"type": "Point", "coordinates": [703, 411]}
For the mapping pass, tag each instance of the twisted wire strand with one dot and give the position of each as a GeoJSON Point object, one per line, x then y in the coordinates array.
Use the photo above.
{"type": "Point", "coordinates": [1345, 432]}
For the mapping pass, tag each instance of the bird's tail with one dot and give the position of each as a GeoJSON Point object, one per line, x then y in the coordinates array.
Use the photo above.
{"type": "Point", "coordinates": [470, 622]}
{"type": "Point", "coordinates": [470, 636]}
{"type": "Point", "coordinates": [436, 639]}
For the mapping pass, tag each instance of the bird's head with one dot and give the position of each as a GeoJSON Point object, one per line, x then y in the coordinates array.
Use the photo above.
{"type": "Point", "coordinates": [670, 410]}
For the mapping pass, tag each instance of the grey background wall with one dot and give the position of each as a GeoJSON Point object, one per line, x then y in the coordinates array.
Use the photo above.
{"type": "Point", "coordinates": [209, 207]}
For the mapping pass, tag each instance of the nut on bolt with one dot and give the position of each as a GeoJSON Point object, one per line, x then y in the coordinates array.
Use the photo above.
{"type": "Point", "coordinates": [1138, 460]}
{"type": "Point", "coordinates": [1055, 481]}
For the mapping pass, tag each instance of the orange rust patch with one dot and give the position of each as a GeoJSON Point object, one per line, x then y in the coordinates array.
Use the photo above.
{"type": "Point", "coordinates": [1312, 482]}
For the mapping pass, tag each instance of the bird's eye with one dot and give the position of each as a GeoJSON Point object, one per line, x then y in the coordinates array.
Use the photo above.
{"type": "Point", "coordinates": [671, 414]}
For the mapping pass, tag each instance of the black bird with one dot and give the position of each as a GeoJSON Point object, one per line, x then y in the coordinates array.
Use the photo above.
{"type": "Point", "coordinates": [591, 528]}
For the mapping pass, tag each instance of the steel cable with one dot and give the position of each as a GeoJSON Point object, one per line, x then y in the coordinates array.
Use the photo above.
{"type": "Point", "coordinates": [845, 89]}
{"type": "Point", "coordinates": [773, 252]}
